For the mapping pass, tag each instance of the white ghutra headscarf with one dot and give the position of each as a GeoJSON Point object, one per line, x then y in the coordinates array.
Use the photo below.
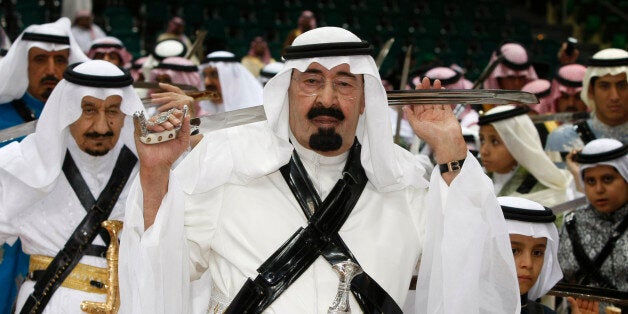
{"type": "Point", "coordinates": [14, 66]}
{"type": "Point", "coordinates": [611, 61]}
{"type": "Point", "coordinates": [37, 160]}
{"type": "Point", "coordinates": [530, 219]}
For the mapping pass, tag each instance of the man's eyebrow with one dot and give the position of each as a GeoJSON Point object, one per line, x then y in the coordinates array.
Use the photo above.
{"type": "Point", "coordinates": [313, 71]}
{"type": "Point", "coordinates": [343, 73]}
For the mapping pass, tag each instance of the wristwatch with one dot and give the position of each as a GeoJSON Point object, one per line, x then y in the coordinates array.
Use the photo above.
{"type": "Point", "coordinates": [451, 166]}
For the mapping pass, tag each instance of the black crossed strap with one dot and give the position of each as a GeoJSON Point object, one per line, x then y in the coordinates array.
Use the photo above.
{"type": "Point", "coordinates": [320, 237]}
{"type": "Point", "coordinates": [584, 131]}
{"type": "Point", "coordinates": [25, 113]}
{"type": "Point", "coordinates": [61, 266]}
{"type": "Point", "coordinates": [590, 269]}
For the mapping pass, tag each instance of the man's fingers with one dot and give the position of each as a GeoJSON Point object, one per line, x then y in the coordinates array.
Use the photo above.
{"type": "Point", "coordinates": [170, 88]}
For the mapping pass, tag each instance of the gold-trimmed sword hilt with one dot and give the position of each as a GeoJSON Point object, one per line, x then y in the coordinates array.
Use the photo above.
{"type": "Point", "coordinates": [112, 304]}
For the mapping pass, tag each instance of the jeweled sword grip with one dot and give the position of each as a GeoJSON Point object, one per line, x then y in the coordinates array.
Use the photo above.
{"type": "Point", "coordinates": [346, 271]}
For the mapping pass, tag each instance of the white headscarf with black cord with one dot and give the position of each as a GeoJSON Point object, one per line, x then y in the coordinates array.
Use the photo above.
{"type": "Point", "coordinates": [604, 152]}
{"type": "Point", "coordinates": [14, 66]}
{"type": "Point", "coordinates": [37, 160]}
{"type": "Point", "coordinates": [239, 88]}
{"type": "Point", "coordinates": [522, 139]}
{"type": "Point", "coordinates": [238, 155]}
{"type": "Point", "coordinates": [529, 218]}
{"type": "Point", "coordinates": [388, 166]}
{"type": "Point", "coordinates": [610, 61]}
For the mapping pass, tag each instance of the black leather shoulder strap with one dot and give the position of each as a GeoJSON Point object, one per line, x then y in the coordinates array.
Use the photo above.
{"type": "Point", "coordinates": [589, 269]}
{"type": "Point", "coordinates": [25, 113]}
{"type": "Point", "coordinates": [528, 184]}
{"type": "Point", "coordinates": [584, 131]}
{"type": "Point", "coordinates": [320, 237]}
{"type": "Point", "coordinates": [74, 248]}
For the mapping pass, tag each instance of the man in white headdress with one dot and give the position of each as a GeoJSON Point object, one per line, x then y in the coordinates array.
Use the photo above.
{"type": "Point", "coordinates": [605, 92]}
{"type": "Point", "coordinates": [323, 165]}
{"type": "Point", "coordinates": [235, 86]}
{"type": "Point", "coordinates": [60, 182]}
{"type": "Point", "coordinates": [32, 68]}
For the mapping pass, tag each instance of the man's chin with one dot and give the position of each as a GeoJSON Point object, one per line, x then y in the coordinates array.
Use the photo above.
{"type": "Point", "coordinates": [325, 140]}
{"type": "Point", "coordinates": [96, 152]}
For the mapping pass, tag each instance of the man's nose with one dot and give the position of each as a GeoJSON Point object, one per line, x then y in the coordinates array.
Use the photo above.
{"type": "Point", "coordinates": [327, 94]}
{"type": "Point", "coordinates": [101, 124]}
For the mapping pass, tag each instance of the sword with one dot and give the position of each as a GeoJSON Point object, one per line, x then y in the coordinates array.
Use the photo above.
{"type": "Point", "coordinates": [383, 52]}
{"type": "Point", "coordinates": [402, 85]}
{"type": "Point", "coordinates": [17, 131]}
{"type": "Point", "coordinates": [561, 117]}
{"type": "Point", "coordinates": [592, 293]}
{"type": "Point", "coordinates": [460, 96]}
{"type": "Point", "coordinates": [573, 204]}
{"type": "Point", "coordinates": [487, 71]}
{"type": "Point", "coordinates": [405, 97]}
{"type": "Point", "coordinates": [228, 119]}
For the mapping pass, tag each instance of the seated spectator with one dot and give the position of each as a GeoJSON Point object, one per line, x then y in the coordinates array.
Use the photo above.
{"type": "Point", "coordinates": [258, 56]}
{"type": "Point", "coordinates": [512, 154]}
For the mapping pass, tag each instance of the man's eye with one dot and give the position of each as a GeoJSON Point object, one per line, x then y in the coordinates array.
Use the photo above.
{"type": "Point", "coordinates": [538, 253]}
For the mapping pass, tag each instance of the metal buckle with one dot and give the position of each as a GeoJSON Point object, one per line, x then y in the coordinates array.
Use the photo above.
{"type": "Point", "coordinates": [453, 166]}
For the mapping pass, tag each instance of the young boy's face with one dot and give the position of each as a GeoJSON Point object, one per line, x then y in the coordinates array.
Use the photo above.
{"type": "Point", "coordinates": [529, 253]}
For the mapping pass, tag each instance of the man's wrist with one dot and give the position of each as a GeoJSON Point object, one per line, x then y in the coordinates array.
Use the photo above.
{"type": "Point", "coordinates": [451, 166]}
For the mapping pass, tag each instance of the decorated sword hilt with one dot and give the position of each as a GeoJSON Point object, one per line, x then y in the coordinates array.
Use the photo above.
{"type": "Point", "coordinates": [346, 271]}
{"type": "Point", "coordinates": [112, 303]}
{"type": "Point", "coordinates": [148, 137]}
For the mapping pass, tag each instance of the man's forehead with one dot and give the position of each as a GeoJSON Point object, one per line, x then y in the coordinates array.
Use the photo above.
{"type": "Point", "coordinates": [111, 99]}
{"type": "Point", "coordinates": [38, 51]}
{"type": "Point", "coordinates": [612, 78]}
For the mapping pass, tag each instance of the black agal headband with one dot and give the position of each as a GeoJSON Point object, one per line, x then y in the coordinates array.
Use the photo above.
{"type": "Point", "coordinates": [53, 39]}
{"type": "Point", "coordinates": [177, 67]}
{"type": "Point", "coordinates": [328, 50]}
{"type": "Point", "coordinates": [82, 79]}
{"type": "Point", "coordinates": [490, 118]}
{"type": "Point", "coordinates": [528, 215]}
{"type": "Point", "coordinates": [510, 64]}
{"type": "Point", "coordinates": [601, 157]}
{"type": "Point", "coordinates": [607, 62]}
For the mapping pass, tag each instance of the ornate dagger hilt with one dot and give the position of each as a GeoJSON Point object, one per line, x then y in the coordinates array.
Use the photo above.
{"type": "Point", "coordinates": [112, 304]}
{"type": "Point", "coordinates": [346, 271]}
